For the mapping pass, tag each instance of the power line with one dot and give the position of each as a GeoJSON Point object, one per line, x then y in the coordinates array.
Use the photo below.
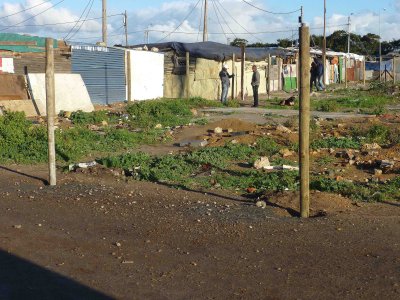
{"type": "Point", "coordinates": [24, 10]}
{"type": "Point", "coordinates": [216, 14]}
{"type": "Point", "coordinates": [63, 23]}
{"type": "Point", "coordinates": [271, 12]}
{"type": "Point", "coordinates": [226, 23]}
{"type": "Point", "coordinates": [201, 15]}
{"type": "Point", "coordinates": [194, 7]}
{"type": "Point", "coordinates": [31, 17]}
{"type": "Point", "coordinates": [237, 21]}
{"type": "Point", "coordinates": [87, 14]}
{"type": "Point", "coordinates": [80, 17]}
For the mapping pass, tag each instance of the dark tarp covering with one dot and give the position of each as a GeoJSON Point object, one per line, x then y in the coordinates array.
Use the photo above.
{"type": "Point", "coordinates": [217, 51]}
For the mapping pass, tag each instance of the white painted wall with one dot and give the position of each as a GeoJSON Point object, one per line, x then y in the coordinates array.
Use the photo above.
{"type": "Point", "coordinates": [147, 75]}
{"type": "Point", "coordinates": [71, 93]}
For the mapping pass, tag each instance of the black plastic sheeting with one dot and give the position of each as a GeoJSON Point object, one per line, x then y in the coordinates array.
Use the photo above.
{"type": "Point", "coordinates": [216, 51]}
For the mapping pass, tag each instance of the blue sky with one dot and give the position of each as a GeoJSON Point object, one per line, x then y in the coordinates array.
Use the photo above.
{"type": "Point", "coordinates": [163, 17]}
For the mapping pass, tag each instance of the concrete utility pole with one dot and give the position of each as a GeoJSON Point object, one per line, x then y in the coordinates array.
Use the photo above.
{"type": "Point", "coordinates": [348, 33]}
{"type": "Point", "coordinates": [380, 45]}
{"type": "Point", "coordinates": [324, 44]}
{"type": "Point", "coordinates": [126, 28]}
{"type": "Point", "coordinates": [205, 28]}
{"type": "Point", "coordinates": [104, 11]}
{"type": "Point", "coordinates": [304, 115]}
{"type": "Point", "coordinates": [50, 110]}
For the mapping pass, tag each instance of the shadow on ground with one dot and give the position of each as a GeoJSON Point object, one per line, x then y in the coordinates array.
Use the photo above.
{"type": "Point", "coordinates": [21, 279]}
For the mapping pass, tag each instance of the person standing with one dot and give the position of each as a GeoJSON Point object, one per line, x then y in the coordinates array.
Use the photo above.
{"type": "Point", "coordinates": [320, 75]}
{"type": "Point", "coordinates": [225, 83]}
{"type": "Point", "coordinates": [255, 83]}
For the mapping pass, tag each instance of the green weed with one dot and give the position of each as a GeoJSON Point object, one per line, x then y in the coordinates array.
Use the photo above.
{"type": "Point", "coordinates": [334, 142]}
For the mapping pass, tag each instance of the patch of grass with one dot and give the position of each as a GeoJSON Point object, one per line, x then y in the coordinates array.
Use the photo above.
{"type": "Point", "coordinates": [202, 121]}
{"type": "Point", "coordinates": [147, 114]}
{"type": "Point", "coordinates": [325, 160]}
{"type": "Point", "coordinates": [23, 142]}
{"type": "Point", "coordinates": [267, 147]}
{"type": "Point", "coordinates": [362, 192]}
{"type": "Point", "coordinates": [83, 118]}
{"type": "Point", "coordinates": [334, 142]}
{"type": "Point", "coordinates": [187, 169]}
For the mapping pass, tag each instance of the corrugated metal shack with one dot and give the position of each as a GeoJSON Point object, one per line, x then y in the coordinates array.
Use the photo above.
{"type": "Point", "coordinates": [102, 70]}
{"type": "Point", "coordinates": [105, 73]}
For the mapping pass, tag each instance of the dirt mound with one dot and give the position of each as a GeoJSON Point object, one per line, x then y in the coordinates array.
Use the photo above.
{"type": "Point", "coordinates": [234, 124]}
{"type": "Point", "coordinates": [321, 204]}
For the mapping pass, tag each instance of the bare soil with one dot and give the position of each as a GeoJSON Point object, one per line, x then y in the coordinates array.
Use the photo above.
{"type": "Point", "coordinates": [99, 236]}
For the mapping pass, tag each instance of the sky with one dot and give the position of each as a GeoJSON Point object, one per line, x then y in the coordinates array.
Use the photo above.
{"type": "Point", "coordinates": [228, 19]}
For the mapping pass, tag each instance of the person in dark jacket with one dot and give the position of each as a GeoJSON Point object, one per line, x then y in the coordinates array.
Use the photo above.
{"type": "Point", "coordinates": [320, 75]}
{"type": "Point", "coordinates": [225, 83]}
{"type": "Point", "coordinates": [313, 76]}
{"type": "Point", "coordinates": [255, 83]}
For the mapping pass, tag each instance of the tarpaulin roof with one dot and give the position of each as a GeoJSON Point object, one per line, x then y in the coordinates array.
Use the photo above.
{"type": "Point", "coordinates": [217, 51]}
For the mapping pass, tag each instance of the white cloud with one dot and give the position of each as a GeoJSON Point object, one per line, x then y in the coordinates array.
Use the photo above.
{"type": "Point", "coordinates": [164, 18]}
{"type": "Point", "coordinates": [9, 17]}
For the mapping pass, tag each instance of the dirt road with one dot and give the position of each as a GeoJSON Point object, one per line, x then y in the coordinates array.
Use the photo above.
{"type": "Point", "coordinates": [99, 237]}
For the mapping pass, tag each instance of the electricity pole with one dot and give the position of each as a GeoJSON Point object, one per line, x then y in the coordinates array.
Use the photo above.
{"type": "Point", "coordinates": [104, 11]}
{"type": "Point", "coordinates": [205, 29]}
{"type": "Point", "coordinates": [324, 42]}
{"type": "Point", "coordinates": [126, 28]}
{"type": "Point", "coordinates": [348, 33]}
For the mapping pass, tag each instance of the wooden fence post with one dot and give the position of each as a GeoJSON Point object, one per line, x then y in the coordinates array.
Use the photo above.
{"type": "Point", "coordinates": [233, 73]}
{"type": "Point", "coordinates": [269, 77]}
{"type": "Point", "coordinates": [187, 75]}
{"type": "Point", "coordinates": [304, 115]}
{"type": "Point", "coordinates": [242, 47]}
{"type": "Point", "coordinates": [394, 70]}
{"type": "Point", "coordinates": [50, 110]}
{"type": "Point", "coordinates": [364, 72]}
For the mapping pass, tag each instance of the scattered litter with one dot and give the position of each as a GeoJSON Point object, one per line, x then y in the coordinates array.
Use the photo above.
{"type": "Point", "coordinates": [239, 133]}
{"type": "Point", "coordinates": [158, 126]}
{"type": "Point", "coordinates": [193, 143]}
{"type": "Point", "coordinates": [251, 190]}
{"type": "Point", "coordinates": [285, 152]}
{"type": "Point", "coordinates": [283, 129]}
{"type": "Point", "coordinates": [127, 262]}
{"type": "Point", "coordinates": [218, 130]}
{"type": "Point", "coordinates": [261, 204]}
{"type": "Point", "coordinates": [17, 226]}
{"type": "Point", "coordinates": [386, 164]}
{"type": "Point", "coordinates": [283, 167]}
{"type": "Point", "coordinates": [262, 163]}
{"type": "Point", "coordinates": [73, 167]}
{"type": "Point", "coordinates": [373, 146]}
{"type": "Point", "coordinates": [288, 102]}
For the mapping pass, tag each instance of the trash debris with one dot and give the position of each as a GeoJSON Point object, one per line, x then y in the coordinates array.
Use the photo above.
{"type": "Point", "coordinates": [261, 204]}
{"type": "Point", "coordinates": [386, 164]}
{"type": "Point", "coordinates": [288, 102]}
{"type": "Point", "coordinates": [262, 163]}
{"type": "Point", "coordinates": [373, 146]}
{"type": "Point", "coordinates": [283, 167]}
{"type": "Point", "coordinates": [218, 130]}
{"type": "Point", "coordinates": [283, 129]}
{"type": "Point", "coordinates": [158, 126]}
{"type": "Point", "coordinates": [193, 143]}
{"type": "Point", "coordinates": [251, 190]}
{"type": "Point", "coordinates": [378, 172]}
{"type": "Point", "coordinates": [285, 152]}
{"type": "Point", "coordinates": [17, 226]}
{"type": "Point", "coordinates": [73, 167]}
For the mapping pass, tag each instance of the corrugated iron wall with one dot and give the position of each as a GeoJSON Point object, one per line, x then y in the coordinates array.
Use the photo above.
{"type": "Point", "coordinates": [36, 63]}
{"type": "Point", "coordinates": [102, 70]}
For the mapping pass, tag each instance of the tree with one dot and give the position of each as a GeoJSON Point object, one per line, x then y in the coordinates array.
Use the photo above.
{"type": "Point", "coordinates": [285, 43]}
{"type": "Point", "coordinates": [239, 42]}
